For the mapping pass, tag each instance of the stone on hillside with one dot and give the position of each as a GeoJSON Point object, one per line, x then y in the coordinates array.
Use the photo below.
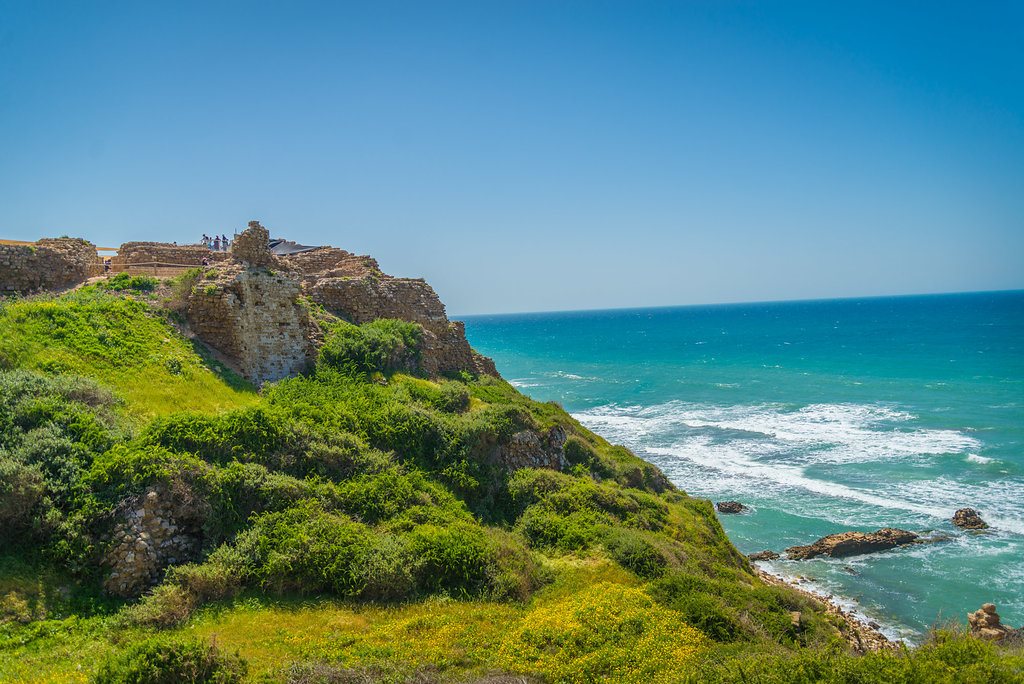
{"type": "Point", "coordinates": [969, 519]}
{"type": "Point", "coordinates": [985, 624]}
{"type": "Point", "coordinates": [730, 507]}
{"type": "Point", "coordinates": [765, 555]}
{"type": "Point", "coordinates": [853, 544]}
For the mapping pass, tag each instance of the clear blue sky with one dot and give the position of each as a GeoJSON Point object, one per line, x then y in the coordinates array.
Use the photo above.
{"type": "Point", "coordinates": [537, 156]}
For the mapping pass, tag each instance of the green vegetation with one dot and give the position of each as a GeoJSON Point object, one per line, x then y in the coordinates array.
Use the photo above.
{"type": "Point", "coordinates": [361, 523]}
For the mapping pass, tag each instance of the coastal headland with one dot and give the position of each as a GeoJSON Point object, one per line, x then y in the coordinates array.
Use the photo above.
{"type": "Point", "coordinates": [288, 466]}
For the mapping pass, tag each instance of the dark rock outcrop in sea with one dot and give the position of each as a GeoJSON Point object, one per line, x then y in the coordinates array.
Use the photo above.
{"type": "Point", "coordinates": [730, 507]}
{"type": "Point", "coordinates": [763, 555]}
{"type": "Point", "coordinates": [969, 519]}
{"type": "Point", "coordinates": [853, 544]}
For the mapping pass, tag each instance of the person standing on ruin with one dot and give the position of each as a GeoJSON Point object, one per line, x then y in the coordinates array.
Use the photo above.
{"type": "Point", "coordinates": [216, 244]}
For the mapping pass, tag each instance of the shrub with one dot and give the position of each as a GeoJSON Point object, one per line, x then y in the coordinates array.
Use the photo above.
{"type": "Point", "coordinates": [245, 433]}
{"type": "Point", "coordinates": [633, 551]}
{"type": "Point", "coordinates": [22, 492]}
{"type": "Point", "coordinates": [171, 661]}
{"type": "Point", "coordinates": [454, 397]}
{"type": "Point", "coordinates": [184, 589]}
{"type": "Point", "coordinates": [380, 346]}
{"type": "Point", "coordinates": [388, 570]}
{"type": "Point", "coordinates": [123, 282]}
{"type": "Point", "coordinates": [453, 559]}
{"type": "Point", "coordinates": [305, 549]}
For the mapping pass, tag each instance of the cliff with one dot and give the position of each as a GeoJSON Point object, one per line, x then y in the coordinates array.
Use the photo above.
{"type": "Point", "coordinates": [250, 308]}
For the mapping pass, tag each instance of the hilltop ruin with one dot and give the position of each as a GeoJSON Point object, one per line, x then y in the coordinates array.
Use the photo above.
{"type": "Point", "coordinates": [251, 305]}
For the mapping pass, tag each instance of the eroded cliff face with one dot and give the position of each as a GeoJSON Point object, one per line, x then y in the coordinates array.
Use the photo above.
{"type": "Point", "coordinates": [249, 308]}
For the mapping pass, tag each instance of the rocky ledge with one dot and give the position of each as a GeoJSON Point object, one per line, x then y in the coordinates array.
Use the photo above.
{"type": "Point", "coordinates": [985, 624]}
{"type": "Point", "coordinates": [853, 544]}
{"type": "Point", "coordinates": [730, 507]}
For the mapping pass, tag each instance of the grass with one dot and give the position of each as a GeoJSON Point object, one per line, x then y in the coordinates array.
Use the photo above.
{"type": "Point", "coordinates": [358, 522]}
{"type": "Point", "coordinates": [124, 343]}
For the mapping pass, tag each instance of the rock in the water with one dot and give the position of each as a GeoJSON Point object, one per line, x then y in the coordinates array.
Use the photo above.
{"type": "Point", "coordinates": [730, 507]}
{"type": "Point", "coordinates": [763, 555]}
{"type": "Point", "coordinates": [985, 624]}
{"type": "Point", "coordinates": [969, 519]}
{"type": "Point", "coordinates": [853, 544]}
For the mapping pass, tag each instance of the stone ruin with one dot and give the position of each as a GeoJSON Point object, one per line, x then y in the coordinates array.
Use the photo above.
{"type": "Point", "coordinates": [154, 531]}
{"type": "Point", "coordinates": [49, 264]}
{"type": "Point", "coordinates": [252, 247]}
{"type": "Point", "coordinates": [248, 308]}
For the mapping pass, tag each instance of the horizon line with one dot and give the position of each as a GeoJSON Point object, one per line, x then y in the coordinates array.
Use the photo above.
{"type": "Point", "coordinates": [738, 303]}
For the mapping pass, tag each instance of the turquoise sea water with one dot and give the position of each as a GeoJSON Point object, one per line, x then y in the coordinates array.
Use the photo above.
{"type": "Point", "coordinates": [822, 416]}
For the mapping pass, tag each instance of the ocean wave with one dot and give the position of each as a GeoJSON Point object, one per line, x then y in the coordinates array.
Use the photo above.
{"type": "Point", "coordinates": [767, 452]}
{"type": "Point", "coordinates": [975, 458]}
{"type": "Point", "coordinates": [819, 433]}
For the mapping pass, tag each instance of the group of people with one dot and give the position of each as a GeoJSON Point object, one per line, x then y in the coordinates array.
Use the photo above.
{"type": "Point", "coordinates": [216, 243]}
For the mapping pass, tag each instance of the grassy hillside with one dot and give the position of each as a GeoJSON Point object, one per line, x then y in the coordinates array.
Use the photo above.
{"type": "Point", "coordinates": [359, 524]}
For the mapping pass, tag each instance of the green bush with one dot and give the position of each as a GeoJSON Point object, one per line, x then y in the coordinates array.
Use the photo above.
{"type": "Point", "coordinates": [948, 658]}
{"type": "Point", "coordinates": [631, 550]}
{"type": "Point", "coordinates": [381, 346]}
{"type": "Point", "coordinates": [123, 282]}
{"type": "Point", "coordinates": [451, 559]}
{"type": "Point", "coordinates": [171, 661]}
{"type": "Point", "coordinates": [454, 397]}
{"type": "Point", "coordinates": [22, 493]}
{"type": "Point", "coordinates": [304, 549]}
{"type": "Point", "coordinates": [248, 434]}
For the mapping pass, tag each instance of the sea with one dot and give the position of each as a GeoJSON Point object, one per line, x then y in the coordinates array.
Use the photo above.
{"type": "Point", "coordinates": [821, 417]}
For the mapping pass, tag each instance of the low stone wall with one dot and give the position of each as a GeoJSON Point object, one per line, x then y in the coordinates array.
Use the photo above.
{"type": "Point", "coordinates": [49, 264]}
{"type": "Point", "coordinates": [331, 262]}
{"type": "Point", "coordinates": [161, 258]}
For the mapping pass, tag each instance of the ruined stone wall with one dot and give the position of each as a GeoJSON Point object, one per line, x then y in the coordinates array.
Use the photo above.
{"type": "Point", "coordinates": [360, 300]}
{"type": "Point", "coordinates": [50, 264]}
{"type": "Point", "coordinates": [331, 262]}
{"type": "Point", "coordinates": [145, 256]}
{"type": "Point", "coordinates": [156, 530]}
{"type": "Point", "coordinates": [253, 317]}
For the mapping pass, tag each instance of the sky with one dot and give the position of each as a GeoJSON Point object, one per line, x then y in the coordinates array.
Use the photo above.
{"type": "Point", "coordinates": [536, 156]}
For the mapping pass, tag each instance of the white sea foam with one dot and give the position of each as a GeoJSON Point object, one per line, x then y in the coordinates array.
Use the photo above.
{"type": "Point", "coordinates": [769, 449]}
{"type": "Point", "coordinates": [523, 383]}
{"type": "Point", "coordinates": [975, 458]}
{"type": "Point", "coordinates": [819, 433]}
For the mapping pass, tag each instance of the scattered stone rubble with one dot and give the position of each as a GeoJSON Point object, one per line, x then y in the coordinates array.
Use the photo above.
{"type": "Point", "coordinates": [49, 264]}
{"type": "Point", "coordinates": [853, 544]}
{"type": "Point", "coordinates": [153, 533]}
{"type": "Point", "coordinates": [969, 519]}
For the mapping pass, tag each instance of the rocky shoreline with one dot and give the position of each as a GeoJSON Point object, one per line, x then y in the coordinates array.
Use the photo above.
{"type": "Point", "coordinates": [861, 635]}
